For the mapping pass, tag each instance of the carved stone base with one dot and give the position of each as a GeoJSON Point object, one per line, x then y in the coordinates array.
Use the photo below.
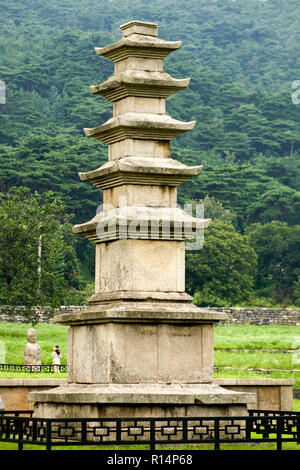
{"type": "Point", "coordinates": [140, 342]}
{"type": "Point", "coordinates": [139, 400]}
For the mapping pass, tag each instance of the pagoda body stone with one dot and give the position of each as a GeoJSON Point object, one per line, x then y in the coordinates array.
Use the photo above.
{"type": "Point", "coordinates": [141, 348]}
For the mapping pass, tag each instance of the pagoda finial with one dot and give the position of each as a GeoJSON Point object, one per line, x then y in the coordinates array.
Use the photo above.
{"type": "Point", "coordinates": [139, 27]}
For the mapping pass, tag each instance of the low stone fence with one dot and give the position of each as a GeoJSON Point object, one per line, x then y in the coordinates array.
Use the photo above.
{"type": "Point", "coordinates": [271, 394]}
{"type": "Point", "coordinates": [42, 314]}
{"type": "Point", "coordinates": [252, 315]}
{"type": "Point", "coordinates": [260, 316]}
{"type": "Point", "coordinates": [15, 392]}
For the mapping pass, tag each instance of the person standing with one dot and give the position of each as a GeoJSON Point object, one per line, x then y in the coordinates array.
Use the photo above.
{"type": "Point", "coordinates": [56, 357]}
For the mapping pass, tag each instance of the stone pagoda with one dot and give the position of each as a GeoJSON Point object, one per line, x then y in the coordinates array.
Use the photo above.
{"type": "Point", "coordinates": [141, 348]}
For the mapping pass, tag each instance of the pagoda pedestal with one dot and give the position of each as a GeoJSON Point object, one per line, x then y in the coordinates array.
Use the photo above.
{"type": "Point", "coordinates": [141, 348]}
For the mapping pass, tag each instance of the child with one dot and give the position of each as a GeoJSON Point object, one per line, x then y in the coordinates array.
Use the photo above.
{"type": "Point", "coordinates": [56, 356]}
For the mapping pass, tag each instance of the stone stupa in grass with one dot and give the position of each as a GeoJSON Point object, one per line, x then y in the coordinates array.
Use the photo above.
{"type": "Point", "coordinates": [141, 348]}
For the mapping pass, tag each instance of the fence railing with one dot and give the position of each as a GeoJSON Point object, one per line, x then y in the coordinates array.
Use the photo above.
{"type": "Point", "coordinates": [259, 426]}
{"type": "Point", "coordinates": [48, 368]}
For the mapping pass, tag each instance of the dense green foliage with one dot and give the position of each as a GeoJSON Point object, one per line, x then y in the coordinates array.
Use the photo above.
{"type": "Point", "coordinates": [222, 271]}
{"type": "Point", "coordinates": [278, 249]}
{"type": "Point", "coordinates": [37, 257]}
{"type": "Point", "coordinates": [243, 60]}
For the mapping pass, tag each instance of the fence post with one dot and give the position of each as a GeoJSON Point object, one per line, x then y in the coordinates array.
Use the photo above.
{"type": "Point", "coordinates": [7, 427]}
{"type": "Point", "coordinates": [34, 430]}
{"type": "Point", "coordinates": [20, 434]}
{"type": "Point", "coordinates": [48, 434]}
{"type": "Point", "coordinates": [249, 427]}
{"type": "Point", "coordinates": [83, 431]}
{"type": "Point", "coordinates": [152, 434]}
{"type": "Point", "coordinates": [217, 433]}
{"type": "Point", "coordinates": [185, 429]}
{"type": "Point", "coordinates": [279, 432]}
{"type": "Point", "coordinates": [298, 428]}
{"type": "Point", "coordinates": [118, 430]}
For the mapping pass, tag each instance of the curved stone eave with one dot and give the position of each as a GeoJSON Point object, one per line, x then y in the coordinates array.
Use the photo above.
{"type": "Point", "coordinates": [174, 223]}
{"type": "Point", "coordinates": [155, 47]}
{"type": "Point", "coordinates": [139, 126]}
{"type": "Point", "coordinates": [142, 165]}
{"type": "Point", "coordinates": [139, 83]}
{"type": "Point", "coordinates": [154, 168]}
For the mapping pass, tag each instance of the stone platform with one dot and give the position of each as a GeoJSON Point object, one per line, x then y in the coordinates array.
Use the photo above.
{"type": "Point", "coordinates": [140, 400]}
{"type": "Point", "coordinates": [140, 358]}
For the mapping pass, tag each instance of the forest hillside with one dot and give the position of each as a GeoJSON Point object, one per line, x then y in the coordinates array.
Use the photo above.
{"type": "Point", "coordinates": [243, 61]}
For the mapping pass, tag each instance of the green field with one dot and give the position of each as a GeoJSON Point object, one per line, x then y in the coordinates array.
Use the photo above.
{"type": "Point", "coordinates": [240, 350]}
{"type": "Point", "coordinates": [245, 336]}
{"type": "Point", "coordinates": [241, 447]}
{"type": "Point", "coordinates": [245, 351]}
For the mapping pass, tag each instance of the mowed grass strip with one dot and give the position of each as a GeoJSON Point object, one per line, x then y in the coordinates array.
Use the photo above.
{"type": "Point", "coordinates": [256, 360]}
{"type": "Point", "coordinates": [254, 347]}
{"type": "Point", "coordinates": [246, 336]}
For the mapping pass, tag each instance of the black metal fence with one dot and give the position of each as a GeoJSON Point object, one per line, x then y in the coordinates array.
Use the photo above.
{"type": "Point", "coordinates": [48, 368]}
{"type": "Point", "coordinates": [260, 426]}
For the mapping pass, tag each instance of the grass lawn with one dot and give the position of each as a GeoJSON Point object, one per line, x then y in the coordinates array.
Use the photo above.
{"type": "Point", "coordinates": [245, 336]}
{"type": "Point", "coordinates": [247, 447]}
{"type": "Point", "coordinates": [271, 347]}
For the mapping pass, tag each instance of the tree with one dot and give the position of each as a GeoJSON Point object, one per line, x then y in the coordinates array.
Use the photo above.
{"type": "Point", "coordinates": [277, 203]}
{"type": "Point", "coordinates": [213, 209]}
{"type": "Point", "coordinates": [278, 250]}
{"type": "Point", "coordinates": [42, 163]}
{"type": "Point", "coordinates": [297, 292]}
{"type": "Point", "coordinates": [222, 272]}
{"type": "Point", "coordinates": [248, 192]}
{"type": "Point", "coordinates": [37, 260]}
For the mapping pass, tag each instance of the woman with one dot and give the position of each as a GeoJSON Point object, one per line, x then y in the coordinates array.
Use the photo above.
{"type": "Point", "coordinates": [56, 357]}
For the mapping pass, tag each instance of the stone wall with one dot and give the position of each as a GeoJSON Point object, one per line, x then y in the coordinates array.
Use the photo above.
{"type": "Point", "coordinates": [252, 315]}
{"type": "Point", "coordinates": [43, 314]}
{"type": "Point", "coordinates": [261, 316]}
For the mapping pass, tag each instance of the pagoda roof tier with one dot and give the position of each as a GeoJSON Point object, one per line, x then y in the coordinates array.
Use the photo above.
{"type": "Point", "coordinates": [139, 83]}
{"type": "Point", "coordinates": [139, 170]}
{"type": "Point", "coordinates": [155, 223]}
{"type": "Point", "coordinates": [139, 126]}
{"type": "Point", "coordinates": [138, 45]}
